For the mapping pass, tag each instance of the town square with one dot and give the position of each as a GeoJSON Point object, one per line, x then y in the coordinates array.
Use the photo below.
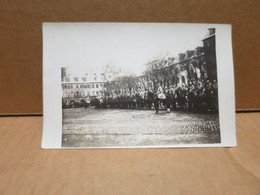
{"type": "Point", "coordinates": [118, 128]}
{"type": "Point", "coordinates": [168, 100]}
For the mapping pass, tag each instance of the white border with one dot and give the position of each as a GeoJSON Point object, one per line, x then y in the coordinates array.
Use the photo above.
{"type": "Point", "coordinates": [52, 110]}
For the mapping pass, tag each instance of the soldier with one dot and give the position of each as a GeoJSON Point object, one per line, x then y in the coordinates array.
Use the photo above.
{"type": "Point", "coordinates": [156, 105]}
{"type": "Point", "coordinates": [101, 101]}
{"type": "Point", "coordinates": [160, 92]}
{"type": "Point", "coordinates": [199, 91]}
{"type": "Point", "coordinates": [150, 98]}
{"type": "Point", "coordinates": [168, 100]}
{"type": "Point", "coordinates": [215, 95]}
{"type": "Point", "coordinates": [185, 96]}
{"type": "Point", "coordinates": [207, 92]}
{"type": "Point", "coordinates": [191, 95]}
{"type": "Point", "coordinates": [215, 86]}
{"type": "Point", "coordinates": [172, 92]}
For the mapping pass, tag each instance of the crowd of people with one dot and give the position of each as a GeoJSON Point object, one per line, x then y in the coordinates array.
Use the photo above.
{"type": "Point", "coordinates": [199, 96]}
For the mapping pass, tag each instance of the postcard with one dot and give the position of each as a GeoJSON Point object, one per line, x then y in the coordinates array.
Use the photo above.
{"type": "Point", "coordinates": [138, 85]}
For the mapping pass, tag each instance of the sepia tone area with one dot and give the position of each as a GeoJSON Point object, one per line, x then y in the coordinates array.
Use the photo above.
{"type": "Point", "coordinates": [21, 40]}
{"type": "Point", "coordinates": [173, 101]}
{"type": "Point", "coordinates": [123, 128]}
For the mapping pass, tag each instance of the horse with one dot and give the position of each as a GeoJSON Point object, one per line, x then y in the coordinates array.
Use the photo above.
{"type": "Point", "coordinates": [159, 101]}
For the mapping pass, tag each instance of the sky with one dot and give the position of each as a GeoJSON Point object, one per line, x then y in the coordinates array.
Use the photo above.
{"type": "Point", "coordinates": [88, 47]}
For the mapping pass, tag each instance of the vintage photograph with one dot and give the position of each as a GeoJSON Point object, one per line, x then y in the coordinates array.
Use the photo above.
{"type": "Point", "coordinates": [140, 87]}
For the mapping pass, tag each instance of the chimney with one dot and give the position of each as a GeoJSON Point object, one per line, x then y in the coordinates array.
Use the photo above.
{"type": "Point", "coordinates": [211, 31]}
{"type": "Point", "coordinates": [63, 73]}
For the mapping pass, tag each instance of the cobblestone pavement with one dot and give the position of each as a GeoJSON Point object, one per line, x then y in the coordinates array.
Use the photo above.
{"type": "Point", "coordinates": [114, 127]}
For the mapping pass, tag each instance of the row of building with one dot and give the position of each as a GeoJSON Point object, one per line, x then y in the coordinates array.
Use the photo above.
{"type": "Point", "coordinates": [88, 85]}
{"type": "Point", "coordinates": [197, 64]}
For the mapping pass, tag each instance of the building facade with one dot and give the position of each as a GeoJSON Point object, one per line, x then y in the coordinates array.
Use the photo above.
{"type": "Point", "coordinates": [76, 88]}
{"type": "Point", "coordinates": [198, 65]}
{"type": "Point", "coordinates": [90, 85]}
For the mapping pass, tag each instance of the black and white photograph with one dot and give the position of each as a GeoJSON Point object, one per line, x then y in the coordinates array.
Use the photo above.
{"type": "Point", "coordinates": [136, 85]}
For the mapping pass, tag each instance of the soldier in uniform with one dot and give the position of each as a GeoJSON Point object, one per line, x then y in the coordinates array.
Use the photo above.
{"type": "Point", "coordinates": [215, 95]}
{"type": "Point", "coordinates": [160, 92]}
{"type": "Point", "coordinates": [191, 95]}
{"type": "Point", "coordinates": [207, 92]}
{"type": "Point", "coordinates": [168, 100]}
{"type": "Point", "coordinates": [199, 92]}
{"type": "Point", "coordinates": [156, 105]}
{"type": "Point", "coordinates": [172, 92]}
{"type": "Point", "coordinates": [160, 95]}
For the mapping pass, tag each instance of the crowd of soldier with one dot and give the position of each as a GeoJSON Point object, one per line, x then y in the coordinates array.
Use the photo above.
{"type": "Point", "coordinates": [199, 96]}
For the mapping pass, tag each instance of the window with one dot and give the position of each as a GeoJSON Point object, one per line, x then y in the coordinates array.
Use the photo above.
{"type": "Point", "coordinates": [93, 86]}
{"type": "Point", "coordinates": [96, 85]}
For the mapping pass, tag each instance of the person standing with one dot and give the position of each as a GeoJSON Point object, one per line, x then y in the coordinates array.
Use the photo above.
{"type": "Point", "coordinates": [160, 93]}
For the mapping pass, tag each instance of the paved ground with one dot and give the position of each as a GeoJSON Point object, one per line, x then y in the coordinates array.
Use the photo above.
{"type": "Point", "coordinates": [113, 127]}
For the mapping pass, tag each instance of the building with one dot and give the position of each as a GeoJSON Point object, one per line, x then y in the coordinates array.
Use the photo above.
{"type": "Point", "coordinates": [189, 67]}
{"type": "Point", "coordinates": [77, 88]}
{"type": "Point", "coordinates": [209, 45]}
